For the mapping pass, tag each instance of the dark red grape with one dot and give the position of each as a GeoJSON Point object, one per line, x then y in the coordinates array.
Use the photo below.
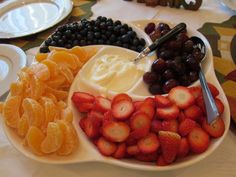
{"type": "Point", "coordinates": [185, 80]}
{"type": "Point", "coordinates": [150, 78]}
{"type": "Point", "coordinates": [163, 26]}
{"type": "Point", "coordinates": [188, 46]}
{"type": "Point", "coordinates": [167, 54]}
{"type": "Point", "coordinates": [149, 28]}
{"type": "Point", "coordinates": [168, 74]}
{"type": "Point", "coordinates": [155, 35]}
{"type": "Point", "coordinates": [198, 55]}
{"type": "Point", "coordinates": [182, 37]}
{"type": "Point", "coordinates": [193, 75]}
{"type": "Point", "coordinates": [155, 89]}
{"type": "Point", "coordinates": [168, 85]}
{"type": "Point", "coordinates": [159, 65]}
{"type": "Point", "coordinates": [192, 63]}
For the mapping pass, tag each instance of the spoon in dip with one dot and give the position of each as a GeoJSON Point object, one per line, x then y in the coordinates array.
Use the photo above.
{"type": "Point", "coordinates": [211, 108]}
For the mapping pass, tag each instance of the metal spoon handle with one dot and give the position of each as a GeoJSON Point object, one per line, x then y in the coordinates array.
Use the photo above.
{"type": "Point", "coordinates": [211, 109]}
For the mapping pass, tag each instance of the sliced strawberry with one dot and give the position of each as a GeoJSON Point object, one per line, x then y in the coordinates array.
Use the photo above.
{"type": "Point", "coordinates": [107, 117]}
{"type": "Point", "coordinates": [148, 108]}
{"type": "Point", "coordinates": [200, 120]}
{"type": "Point", "coordinates": [139, 133]}
{"type": "Point", "coordinates": [200, 102]}
{"type": "Point", "coordinates": [214, 91]}
{"type": "Point", "coordinates": [161, 161]}
{"type": "Point", "coordinates": [196, 91]}
{"type": "Point", "coordinates": [162, 101]}
{"type": "Point", "coordinates": [156, 126]}
{"type": "Point", "coordinates": [106, 147]}
{"type": "Point", "coordinates": [95, 114]}
{"type": "Point", "coordinates": [150, 101]}
{"type": "Point", "coordinates": [169, 142]}
{"type": "Point", "coordinates": [193, 112]}
{"type": "Point", "coordinates": [186, 126]}
{"type": "Point", "coordinates": [82, 123]}
{"type": "Point", "coordinates": [181, 96]}
{"type": "Point", "coordinates": [102, 104]}
{"type": "Point", "coordinates": [122, 109]}
{"type": "Point", "coordinates": [84, 107]}
{"type": "Point", "coordinates": [151, 157]}
{"type": "Point", "coordinates": [116, 131]}
{"type": "Point", "coordinates": [170, 125]}
{"type": "Point", "coordinates": [168, 113]}
{"type": "Point", "coordinates": [215, 129]}
{"type": "Point", "coordinates": [131, 140]}
{"type": "Point", "coordinates": [148, 144]}
{"type": "Point", "coordinates": [181, 116]}
{"type": "Point", "coordinates": [120, 151]}
{"type": "Point", "coordinates": [92, 127]}
{"type": "Point", "coordinates": [133, 150]}
{"type": "Point", "coordinates": [137, 105]}
{"type": "Point", "coordinates": [198, 140]}
{"type": "Point", "coordinates": [139, 120]}
{"type": "Point", "coordinates": [183, 148]}
{"type": "Point", "coordinates": [121, 96]}
{"type": "Point", "coordinates": [82, 97]}
{"type": "Point", "coordinates": [220, 105]}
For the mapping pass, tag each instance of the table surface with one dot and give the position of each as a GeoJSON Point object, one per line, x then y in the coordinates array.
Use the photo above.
{"type": "Point", "coordinates": [221, 163]}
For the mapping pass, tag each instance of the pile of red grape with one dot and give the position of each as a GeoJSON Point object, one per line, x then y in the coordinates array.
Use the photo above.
{"type": "Point", "coordinates": [177, 63]}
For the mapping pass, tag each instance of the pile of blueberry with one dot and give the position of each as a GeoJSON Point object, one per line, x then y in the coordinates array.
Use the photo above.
{"type": "Point", "coordinates": [100, 31]}
{"type": "Point", "coordinates": [177, 62]}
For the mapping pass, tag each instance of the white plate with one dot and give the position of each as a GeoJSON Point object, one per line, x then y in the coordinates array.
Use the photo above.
{"type": "Point", "coordinates": [12, 59]}
{"type": "Point", "coordinates": [20, 18]}
{"type": "Point", "coordinates": [229, 3]}
{"type": "Point", "coordinates": [87, 152]}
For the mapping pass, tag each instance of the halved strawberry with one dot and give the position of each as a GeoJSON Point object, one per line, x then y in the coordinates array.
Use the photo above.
{"type": "Point", "coordinates": [200, 102]}
{"type": "Point", "coordinates": [161, 161]}
{"type": "Point", "coordinates": [92, 127]}
{"type": "Point", "coordinates": [107, 117]}
{"type": "Point", "coordinates": [150, 100]}
{"type": "Point", "coordinates": [139, 120]}
{"type": "Point", "coordinates": [198, 140]}
{"type": "Point", "coordinates": [183, 148]}
{"type": "Point", "coordinates": [122, 109]}
{"type": "Point", "coordinates": [148, 108]}
{"type": "Point", "coordinates": [82, 123]}
{"type": "Point", "coordinates": [220, 105]}
{"type": "Point", "coordinates": [216, 128]}
{"type": "Point", "coordinates": [181, 116]}
{"type": "Point", "coordinates": [137, 105]}
{"type": "Point", "coordinates": [196, 91]}
{"type": "Point", "coordinates": [181, 96]}
{"type": "Point", "coordinates": [133, 150]}
{"type": "Point", "coordinates": [121, 96]}
{"type": "Point", "coordinates": [193, 112]}
{"type": "Point", "coordinates": [151, 157]}
{"type": "Point", "coordinates": [156, 126]}
{"type": "Point", "coordinates": [102, 104]}
{"type": "Point", "coordinates": [116, 131]}
{"type": "Point", "coordinates": [214, 91]}
{"type": "Point", "coordinates": [139, 133]}
{"type": "Point", "coordinates": [84, 107]}
{"type": "Point", "coordinates": [170, 125]}
{"type": "Point", "coordinates": [82, 97]}
{"type": "Point", "coordinates": [169, 142]}
{"type": "Point", "coordinates": [106, 147]}
{"type": "Point", "coordinates": [148, 144]}
{"type": "Point", "coordinates": [162, 101]}
{"type": "Point", "coordinates": [186, 126]}
{"type": "Point", "coordinates": [167, 113]}
{"type": "Point", "coordinates": [95, 114]}
{"type": "Point", "coordinates": [120, 151]}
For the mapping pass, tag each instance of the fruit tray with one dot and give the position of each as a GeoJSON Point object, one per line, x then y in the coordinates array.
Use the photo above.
{"type": "Point", "coordinates": [86, 151]}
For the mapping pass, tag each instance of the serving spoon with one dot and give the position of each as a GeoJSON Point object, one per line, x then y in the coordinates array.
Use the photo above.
{"type": "Point", "coordinates": [211, 108]}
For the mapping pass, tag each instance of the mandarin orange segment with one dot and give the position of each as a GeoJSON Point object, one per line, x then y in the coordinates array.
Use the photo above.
{"type": "Point", "coordinates": [66, 72]}
{"type": "Point", "coordinates": [34, 112]}
{"type": "Point", "coordinates": [41, 56]}
{"type": "Point", "coordinates": [61, 105]}
{"type": "Point", "coordinates": [67, 115]}
{"type": "Point", "coordinates": [22, 126]}
{"type": "Point", "coordinates": [70, 139]}
{"type": "Point", "coordinates": [53, 48]}
{"type": "Point", "coordinates": [11, 111]}
{"type": "Point", "coordinates": [52, 66]}
{"type": "Point", "coordinates": [41, 71]}
{"type": "Point", "coordinates": [80, 53]}
{"type": "Point", "coordinates": [54, 138]}
{"type": "Point", "coordinates": [56, 81]}
{"type": "Point", "coordinates": [51, 96]}
{"type": "Point", "coordinates": [59, 94]}
{"type": "Point", "coordinates": [17, 88]}
{"type": "Point", "coordinates": [1, 107]}
{"type": "Point", "coordinates": [36, 88]}
{"type": "Point", "coordinates": [24, 77]}
{"type": "Point", "coordinates": [34, 139]}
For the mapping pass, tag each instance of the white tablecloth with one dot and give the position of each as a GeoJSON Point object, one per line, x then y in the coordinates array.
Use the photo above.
{"type": "Point", "coordinates": [220, 164]}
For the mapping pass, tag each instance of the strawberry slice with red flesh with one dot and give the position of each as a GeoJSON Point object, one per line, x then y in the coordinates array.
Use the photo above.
{"type": "Point", "coordinates": [84, 107]}
{"type": "Point", "coordinates": [82, 123]}
{"type": "Point", "coordinates": [162, 101]}
{"type": "Point", "coordinates": [198, 140]}
{"type": "Point", "coordinates": [148, 144]}
{"type": "Point", "coordinates": [106, 147]}
{"type": "Point", "coordinates": [196, 91]}
{"type": "Point", "coordinates": [152, 157]}
{"type": "Point", "coordinates": [150, 101]}
{"type": "Point", "coordinates": [170, 125]}
{"type": "Point", "coordinates": [214, 91]}
{"type": "Point", "coordinates": [169, 142]}
{"type": "Point", "coordinates": [148, 108]}
{"type": "Point", "coordinates": [139, 133]}
{"type": "Point", "coordinates": [122, 109]}
{"type": "Point", "coordinates": [92, 127]}
{"type": "Point", "coordinates": [133, 150]}
{"type": "Point", "coordinates": [82, 97]}
{"type": "Point", "coordinates": [120, 151]}
{"type": "Point", "coordinates": [161, 161]}
{"type": "Point", "coordinates": [167, 113]}
{"type": "Point", "coordinates": [137, 105]}
{"type": "Point", "coordinates": [216, 128]}
{"type": "Point", "coordinates": [121, 96]}
{"type": "Point", "coordinates": [186, 126]}
{"type": "Point", "coordinates": [116, 131]}
{"type": "Point", "coordinates": [102, 104]}
{"type": "Point", "coordinates": [97, 115]}
{"type": "Point", "coordinates": [181, 96]}
{"type": "Point", "coordinates": [183, 148]}
{"type": "Point", "coordinates": [156, 126]}
{"type": "Point", "coordinates": [107, 117]}
{"type": "Point", "coordinates": [193, 112]}
{"type": "Point", "coordinates": [200, 102]}
{"type": "Point", "coordinates": [220, 105]}
{"type": "Point", "coordinates": [181, 116]}
{"type": "Point", "coordinates": [139, 120]}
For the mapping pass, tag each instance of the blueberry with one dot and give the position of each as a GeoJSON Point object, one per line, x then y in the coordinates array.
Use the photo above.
{"type": "Point", "coordinates": [60, 42]}
{"type": "Point", "coordinates": [44, 49]}
{"type": "Point", "coordinates": [125, 38]}
{"type": "Point", "coordinates": [68, 33]}
{"type": "Point", "coordinates": [117, 22]}
{"type": "Point", "coordinates": [97, 35]}
{"type": "Point", "coordinates": [78, 36]}
{"type": "Point", "coordinates": [132, 34]}
{"type": "Point", "coordinates": [48, 41]}
{"type": "Point", "coordinates": [113, 38]}
{"type": "Point", "coordinates": [142, 41]}
{"type": "Point", "coordinates": [103, 25]}
{"type": "Point", "coordinates": [100, 41]}
{"type": "Point", "coordinates": [108, 34]}
{"type": "Point", "coordinates": [75, 42]}
{"type": "Point", "coordinates": [53, 43]}
{"type": "Point", "coordinates": [122, 31]}
{"type": "Point", "coordinates": [103, 19]}
{"type": "Point", "coordinates": [136, 41]}
{"type": "Point", "coordinates": [68, 46]}
{"type": "Point", "coordinates": [83, 42]}
{"type": "Point", "coordinates": [125, 26]}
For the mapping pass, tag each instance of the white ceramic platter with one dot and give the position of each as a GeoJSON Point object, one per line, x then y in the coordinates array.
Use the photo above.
{"type": "Point", "coordinates": [12, 59]}
{"type": "Point", "coordinates": [231, 4]}
{"type": "Point", "coordinates": [20, 18]}
{"type": "Point", "coordinates": [87, 152]}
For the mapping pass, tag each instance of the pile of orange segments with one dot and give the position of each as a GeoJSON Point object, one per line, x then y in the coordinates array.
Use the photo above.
{"type": "Point", "coordinates": [36, 107]}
